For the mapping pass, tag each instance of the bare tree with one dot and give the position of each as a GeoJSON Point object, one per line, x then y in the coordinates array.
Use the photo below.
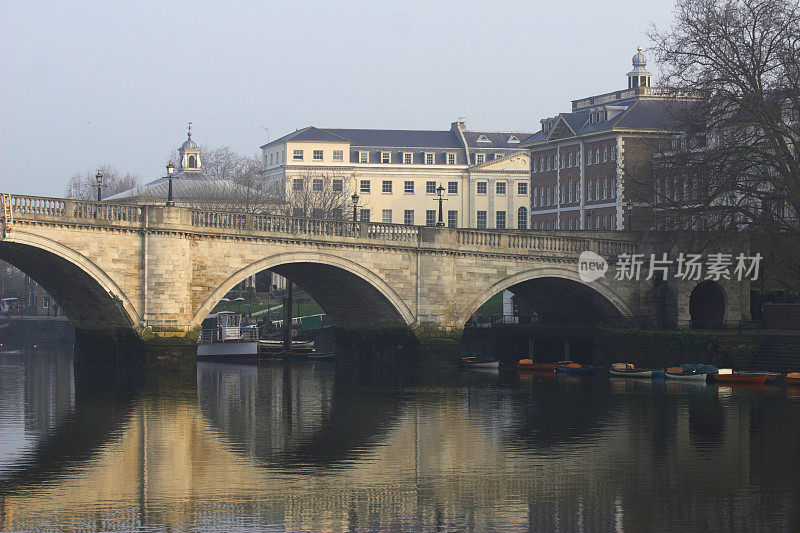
{"type": "Point", "coordinates": [317, 194]}
{"type": "Point", "coordinates": [84, 186]}
{"type": "Point", "coordinates": [733, 161]}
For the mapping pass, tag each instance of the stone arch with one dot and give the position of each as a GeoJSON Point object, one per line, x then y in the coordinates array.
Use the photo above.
{"type": "Point", "coordinates": [603, 295]}
{"type": "Point", "coordinates": [708, 304]}
{"type": "Point", "coordinates": [381, 301]}
{"type": "Point", "coordinates": [86, 294]}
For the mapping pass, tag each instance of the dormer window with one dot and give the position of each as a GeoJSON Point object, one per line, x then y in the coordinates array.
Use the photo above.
{"type": "Point", "coordinates": [512, 140]}
{"type": "Point", "coordinates": [483, 139]}
{"type": "Point", "coordinates": [480, 159]}
{"type": "Point", "coordinates": [386, 157]}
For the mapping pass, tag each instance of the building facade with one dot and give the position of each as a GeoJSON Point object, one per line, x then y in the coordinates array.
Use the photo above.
{"type": "Point", "coordinates": [580, 160]}
{"type": "Point", "coordinates": [396, 174]}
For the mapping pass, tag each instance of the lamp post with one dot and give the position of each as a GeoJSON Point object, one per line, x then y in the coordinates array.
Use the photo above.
{"type": "Point", "coordinates": [170, 170]}
{"type": "Point", "coordinates": [440, 199]}
{"type": "Point", "coordinates": [355, 205]}
{"type": "Point", "coordinates": [99, 177]}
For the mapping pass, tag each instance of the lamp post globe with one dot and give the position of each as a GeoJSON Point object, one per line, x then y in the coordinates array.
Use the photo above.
{"type": "Point", "coordinates": [99, 178]}
{"type": "Point", "coordinates": [170, 170]}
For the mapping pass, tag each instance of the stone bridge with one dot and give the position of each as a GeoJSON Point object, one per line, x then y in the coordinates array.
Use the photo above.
{"type": "Point", "coordinates": [152, 272]}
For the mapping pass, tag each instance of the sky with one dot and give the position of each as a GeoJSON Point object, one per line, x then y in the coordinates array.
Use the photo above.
{"type": "Point", "coordinates": [85, 83]}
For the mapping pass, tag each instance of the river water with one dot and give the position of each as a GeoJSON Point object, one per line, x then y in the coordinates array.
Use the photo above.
{"type": "Point", "coordinates": [312, 447]}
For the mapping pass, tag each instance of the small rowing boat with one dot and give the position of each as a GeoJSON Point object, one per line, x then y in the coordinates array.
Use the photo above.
{"type": "Point", "coordinates": [740, 378]}
{"type": "Point", "coordinates": [529, 365]}
{"type": "Point", "coordinates": [479, 361]}
{"type": "Point", "coordinates": [575, 369]}
{"type": "Point", "coordinates": [627, 370]}
{"type": "Point", "coordinates": [677, 373]}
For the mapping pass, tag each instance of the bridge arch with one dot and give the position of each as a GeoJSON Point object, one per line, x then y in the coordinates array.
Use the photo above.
{"type": "Point", "coordinates": [87, 295]}
{"type": "Point", "coordinates": [352, 295]}
{"type": "Point", "coordinates": [554, 282]}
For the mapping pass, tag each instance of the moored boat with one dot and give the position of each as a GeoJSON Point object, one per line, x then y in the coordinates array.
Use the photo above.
{"type": "Point", "coordinates": [224, 336]}
{"type": "Point", "coordinates": [627, 370]}
{"type": "Point", "coordinates": [479, 361]}
{"type": "Point", "coordinates": [528, 364]}
{"type": "Point", "coordinates": [738, 377]}
{"type": "Point", "coordinates": [275, 348]}
{"type": "Point", "coordinates": [677, 373]}
{"type": "Point", "coordinates": [576, 369]}
{"type": "Point", "coordinates": [792, 378]}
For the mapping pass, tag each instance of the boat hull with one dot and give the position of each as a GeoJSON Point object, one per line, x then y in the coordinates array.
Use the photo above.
{"type": "Point", "coordinates": [231, 348]}
{"type": "Point", "coordinates": [685, 376]}
{"type": "Point", "coordinates": [537, 367]}
{"type": "Point", "coordinates": [579, 371]}
{"type": "Point", "coordinates": [748, 379]}
{"type": "Point", "coordinates": [643, 374]}
{"type": "Point", "coordinates": [481, 364]}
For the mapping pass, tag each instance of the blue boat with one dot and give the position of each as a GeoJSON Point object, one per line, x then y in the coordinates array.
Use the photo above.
{"type": "Point", "coordinates": [574, 369]}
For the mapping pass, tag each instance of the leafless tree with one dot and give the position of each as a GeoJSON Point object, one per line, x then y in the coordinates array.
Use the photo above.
{"type": "Point", "coordinates": [317, 194]}
{"type": "Point", "coordinates": [733, 160]}
{"type": "Point", "coordinates": [84, 186]}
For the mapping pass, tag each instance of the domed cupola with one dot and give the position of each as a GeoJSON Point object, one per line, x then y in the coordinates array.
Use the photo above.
{"type": "Point", "coordinates": [189, 154]}
{"type": "Point", "coordinates": [639, 77]}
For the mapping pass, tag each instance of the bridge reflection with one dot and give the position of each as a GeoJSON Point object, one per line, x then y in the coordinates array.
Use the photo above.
{"type": "Point", "coordinates": [313, 448]}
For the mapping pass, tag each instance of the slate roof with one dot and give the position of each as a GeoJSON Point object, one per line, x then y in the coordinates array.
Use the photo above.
{"type": "Point", "coordinates": [403, 138]}
{"type": "Point", "coordinates": [185, 189]}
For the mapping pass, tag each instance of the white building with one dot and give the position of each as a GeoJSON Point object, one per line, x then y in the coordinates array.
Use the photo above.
{"type": "Point", "coordinates": [485, 175]}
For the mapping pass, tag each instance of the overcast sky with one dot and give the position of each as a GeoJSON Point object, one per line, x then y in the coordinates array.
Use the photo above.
{"type": "Point", "coordinates": [85, 83]}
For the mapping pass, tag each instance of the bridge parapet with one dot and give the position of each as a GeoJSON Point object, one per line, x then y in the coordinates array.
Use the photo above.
{"type": "Point", "coordinates": [44, 209]}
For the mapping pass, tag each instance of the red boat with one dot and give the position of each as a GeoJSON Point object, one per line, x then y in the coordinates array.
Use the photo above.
{"type": "Point", "coordinates": [527, 364]}
{"type": "Point", "coordinates": [749, 378]}
{"type": "Point", "coordinates": [792, 378]}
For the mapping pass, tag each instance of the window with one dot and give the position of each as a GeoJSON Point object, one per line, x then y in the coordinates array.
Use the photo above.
{"type": "Point", "coordinates": [500, 219]}
{"type": "Point", "coordinates": [363, 157]}
{"type": "Point", "coordinates": [541, 164]}
{"type": "Point", "coordinates": [481, 187]}
{"type": "Point", "coordinates": [408, 217]}
{"type": "Point", "coordinates": [480, 159]}
{"type": "Point", "coordinates": [605, 188]}
{"type": "Point", "coordinates": [386, 157]}
{"type": "Point", "coordinates": [613, 153]}
{"type": "Point", "coordinates": [452, 219]}
{"type": "Point", "coordinates": [270, 159]}
{"type": "Point", "coordinates": [605, 154]}
{"type": "Point", "coordinates": [386, 187]}
{"type": "Point", "coordinates": [297, 184]}
{"type": "Point", "coordinates": [563, 160]}
{"type": "Point", "coordinates": [589, 190]}
{"type": "Point", "coordinates": [481, 220]}
{"type": "Point", "coordinates": [498, 156]}
{"type": "Point", "coordinates": [613, 187]}
{"type": "Point", "coordinates": [533, 166]}
{"type": "Point", "coordinates": [547, 162]}
{"type": "Point", "coordinates": [338, 155]}
{"type": "Point", "coordinates": [522, 188]}
{"type": "Point", "coordinates": [613, 222]}
{"type": "Point", "coordinates": [365, 215]}
{"type": "Point", "coordinates": [571, 189]}
{"type": "Point", "coordinates": [563, 194]}
{"type": "Point", "coordinates": [430, 187]}
{"type": "Point", "coordinates": [549, 195]}
{"type": "Point", "coordinates": [297, 155]}
{"type": "Point", "coordinates": [512, 140]}
{"type": "Point", "coordinates": [500, 187]}
{"type": "Point", "coordinates": [317, 155]}
{"type": "Point", "coordinates": [364, 186]}
{"type": "Point", "coordinates": [408, 158]}
{"type": "Point", "coordinates": [337, 185]}
{"type": "Point", "coordinates": [597, 155]}
{"type": "Point", "coordinates": [522, 218]}
{"type": "Point", "coordinates": [429, 158]}
{"type": "Point", "coordinates": [386, 216]}
{"type": "Point", "coordinates": [451, 159]}
{"type": "Point", "coordinates": [430, 217]}
{"type": "Point", "coordinates": [577, 159]}
{"type": "Point", "coordinates": [452, 187]}
{"type": "Point", "coordinates": [316, 185]}
{"type": "Point", "coordinates": [589, 158]}
{"type": "Point", "coordinates": [408, 187]}
{"type": "Point", "coordinates": [483, 139]}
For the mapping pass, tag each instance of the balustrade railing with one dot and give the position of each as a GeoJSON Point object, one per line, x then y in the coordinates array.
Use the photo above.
{"type": "Point", "coordinates": [23, 206]}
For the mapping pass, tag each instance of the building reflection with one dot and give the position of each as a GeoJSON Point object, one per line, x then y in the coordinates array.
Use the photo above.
{"type": "Point", "coordinates": [295, 447]}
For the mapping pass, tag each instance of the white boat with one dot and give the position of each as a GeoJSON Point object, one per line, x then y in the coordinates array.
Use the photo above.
{"type": "Point", "coordinates": [636, 373]}
{"type": "Point", "coordinates": [223, 335]}
{"type": "Point", "coordinates": [472, 361]}
{"type": "Point", "coordinates": [685, 376]}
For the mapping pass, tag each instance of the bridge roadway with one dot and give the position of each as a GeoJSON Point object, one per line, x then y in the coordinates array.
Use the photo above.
{"type": "Point", "coordinates": [150, 272]}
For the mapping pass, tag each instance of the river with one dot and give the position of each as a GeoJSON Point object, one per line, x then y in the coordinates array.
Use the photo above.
{"type": "Point", "coordinates": [315, 447]}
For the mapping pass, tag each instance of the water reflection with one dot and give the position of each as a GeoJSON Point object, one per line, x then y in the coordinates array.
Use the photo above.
{"type": "Point", "coordinates": [292, 447]}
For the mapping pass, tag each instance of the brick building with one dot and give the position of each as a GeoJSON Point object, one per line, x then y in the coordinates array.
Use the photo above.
{"type": "Point", "coordinates": [579, 160]}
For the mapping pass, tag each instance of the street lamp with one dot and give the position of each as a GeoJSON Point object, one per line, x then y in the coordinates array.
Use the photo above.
{"type": "Point", "coordinates": [170, 170]}
{"type": "Point", "coordinates": [440, 199]}
{"type": "Point", "coordinates": [99, 177]}
{"type": "Point", "coordinates": [355, 204]}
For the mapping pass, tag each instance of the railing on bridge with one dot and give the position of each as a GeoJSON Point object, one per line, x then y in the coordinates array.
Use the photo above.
{"type": "Point", "coordinates": [23, 206]}
{"type": "Point", "coordinates": [502, 241]}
